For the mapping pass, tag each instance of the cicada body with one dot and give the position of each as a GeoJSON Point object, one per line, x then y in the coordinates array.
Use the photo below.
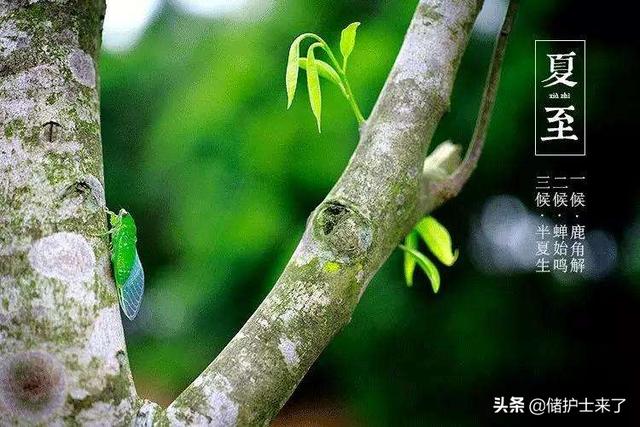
{"type": "Point", "coordinates": [127, 268]}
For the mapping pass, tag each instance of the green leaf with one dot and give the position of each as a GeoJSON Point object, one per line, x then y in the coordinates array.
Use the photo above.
{"type": "Point", "coordinates": [292, 68]}
{"type": "Point", "coordinates": [347, 42]}
{"type": "Point", "coordinates": [324, 70]}
{"type": "Point", "coordinates": [411, 242]}
{"type": "Point", "coordinates": [427, 266]}
{"type": "Point", "coordinates": [438, 240]}
{"type": "Point", "coordinates": [313, 84]}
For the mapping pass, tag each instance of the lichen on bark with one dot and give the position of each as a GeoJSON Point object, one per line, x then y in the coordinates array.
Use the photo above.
{"type": "Point", "coordinates": [61, 340]}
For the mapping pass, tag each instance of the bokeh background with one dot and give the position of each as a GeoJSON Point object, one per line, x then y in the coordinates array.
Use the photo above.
{"type": "Point", "coordinates": [199, 147]}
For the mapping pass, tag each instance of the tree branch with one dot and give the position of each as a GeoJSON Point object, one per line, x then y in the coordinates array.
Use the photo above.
{"type": "Point", "coordinates": [348, 236]}
{"type": "Point", "coordinates": [443, 188]}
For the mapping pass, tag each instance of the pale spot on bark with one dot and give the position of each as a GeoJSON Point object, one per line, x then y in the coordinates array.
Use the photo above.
{"type": "Point", "coordinates": [63, 256]}
{"type": "Point", "coordinates": [309, 250]}
{"type": "Point", "coordinates": [11, 39]}
{"type": "Point", "coordinates": [224, 411]}
{"type": "Point", "coordinates": [19, 108]}
{"type": "Point", "coordinates": [288, 349]}
{"type": "Point", "coordinates": [44, 78]}
{"type": "Point", "coordinates": [287, 316]}
{"type": "Point", "coordinates": [220, 410]}
{"type": "Point", "coordinates": [82, 67]}
{"type": "Point", "coordinates": [320, 297]}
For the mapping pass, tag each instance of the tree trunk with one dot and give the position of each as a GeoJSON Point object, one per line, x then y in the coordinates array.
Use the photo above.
{"type": "Point", "coordinates": [62, 347]}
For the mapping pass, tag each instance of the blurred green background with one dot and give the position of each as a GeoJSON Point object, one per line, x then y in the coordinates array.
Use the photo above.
{"type": "Point", "coordinates": [199, 147]}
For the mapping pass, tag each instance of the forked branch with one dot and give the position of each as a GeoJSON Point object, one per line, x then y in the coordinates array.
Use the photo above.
{"type": "Point", "coordinates": [443, 188]}
{"type": "Point", "coordinates": [374, 204]}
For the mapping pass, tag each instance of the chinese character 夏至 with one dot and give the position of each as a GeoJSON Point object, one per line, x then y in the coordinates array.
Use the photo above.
{"type": "Point", "coordinates": [560, 101]}
{"type": "Point", "coordinates": [561, 68]}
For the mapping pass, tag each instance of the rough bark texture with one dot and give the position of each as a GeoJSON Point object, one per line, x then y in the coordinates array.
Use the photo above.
{"type": "Point", "coordinates": [62, 352]}
{"type": "Point", "coordinates": [373, 206]}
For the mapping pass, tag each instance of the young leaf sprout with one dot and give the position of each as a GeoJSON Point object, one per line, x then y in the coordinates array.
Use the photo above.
{"type": "Point", "coordinates": [127, 268]}
{"type": "Point", "coordinates": [428, 267]}
{"type": "Point", "coordinates": [316, 68]}
{"type": "Point", "coordinates": [437, 239]}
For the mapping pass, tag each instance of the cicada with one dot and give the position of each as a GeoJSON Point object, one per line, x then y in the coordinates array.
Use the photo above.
{"type": "Point", "coordinates": [127, 268]}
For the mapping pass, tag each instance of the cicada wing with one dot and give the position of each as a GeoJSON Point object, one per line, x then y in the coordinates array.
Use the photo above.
{"type": "Point", "coordinates": [132, 290]}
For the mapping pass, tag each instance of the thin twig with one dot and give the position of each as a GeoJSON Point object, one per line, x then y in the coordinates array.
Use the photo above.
{"type": "Point", "coordinates": [456, 180]}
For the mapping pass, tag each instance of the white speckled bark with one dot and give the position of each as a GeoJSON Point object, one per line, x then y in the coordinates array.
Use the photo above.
{"type": "Point", "coordinates": [62, 350]}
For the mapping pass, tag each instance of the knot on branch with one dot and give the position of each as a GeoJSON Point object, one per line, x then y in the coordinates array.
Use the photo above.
{"type": "Point", "coordinates": [32, 385]}
{"type": "Point", "coordinates": [90, 188]}
{"type": "Point", "coordinates": [342, 230]}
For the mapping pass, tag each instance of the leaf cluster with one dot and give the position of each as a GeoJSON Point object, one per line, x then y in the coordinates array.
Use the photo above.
{"type": "Point", "coordinates": [438, 240]}
{"type": "Point", "coordinates": [332, 71]}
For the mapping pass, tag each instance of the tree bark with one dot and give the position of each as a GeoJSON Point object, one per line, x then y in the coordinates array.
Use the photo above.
{"type": "Point", "coordinates": [62, 346]}
{"type": "Point", "coordinates": [62, 349]}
